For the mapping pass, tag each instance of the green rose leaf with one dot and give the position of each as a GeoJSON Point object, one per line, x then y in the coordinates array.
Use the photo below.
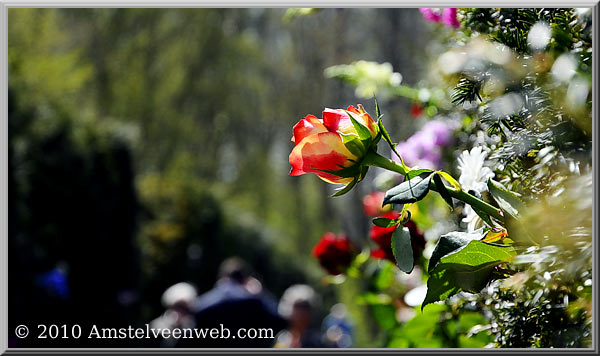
{"type": "Point", "coordinates": [451, 242]}
{"type": "Point", "coordinates": [402, 249]}
{"type": "Point", "coordinates": [388, 139]}
{"type": "Point", "coordinates": [377, 110]}
{"type": "Point", "coordinates": [410, 191]}
{"type": "Point", "coordinates": [346, 189]}
{"type": "Point", "coordinates": [511, 206]}
{"type": "Point", "coordinates": [384, 133]}
{"type": "Point", "coordinates": [385, 222]}
{"type": "Point", "coordinates": [441, 188]}
{"type": "Point", "coordinates": [450, 180]}
{"type": "Point", "coordinates": [485, 217]}
{"type": "Point", "coordinates": [467, 269]}
{"type": "Point", "coordinates": [415, 172]}
{"type": "Point", "coordinates": [352, 171]}
{"type": "Point", "coordinates": [508, 201]}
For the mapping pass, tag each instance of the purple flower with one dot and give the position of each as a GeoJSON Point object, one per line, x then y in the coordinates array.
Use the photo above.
{"type": "Point", "coordinates": [424, 148]}
{"type": "Point", "coordinates": [439, 131]}
{"type": "Point", "coordinates": [447, 16]}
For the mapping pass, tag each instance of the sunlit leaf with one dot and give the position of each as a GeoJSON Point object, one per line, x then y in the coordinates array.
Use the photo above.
{"type": "Point", "coordinates": [467, 269]}
{"type": "Point", "coordinates": [451, 242]}
{"type": "Point", "coordinates": [441, 188]}
{"type": "Point", "coordinates": [385, 222]}
{"type": "Point", "coordinates": [508, 201]}
{"type": "Point", "coordinates": [409, 191]}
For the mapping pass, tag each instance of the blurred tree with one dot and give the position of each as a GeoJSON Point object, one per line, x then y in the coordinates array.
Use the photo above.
{"type": "Point", "coordinates": [74, 209]}
{"type": "Point", "coordinates": [189, 109]}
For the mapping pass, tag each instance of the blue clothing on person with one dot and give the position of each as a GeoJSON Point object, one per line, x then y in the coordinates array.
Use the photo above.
{"type": "Point", "coordinates": [231, 305]}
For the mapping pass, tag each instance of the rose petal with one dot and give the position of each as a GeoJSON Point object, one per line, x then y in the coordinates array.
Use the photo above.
{"type": "Point", "coordinates": [365, 119]}
{"type": "Point", "coordinates": [322, 151]}
{"type": "Point", "coordinates": [310, 125]}
{"type": "Point", "coordinates": [383, 254]}
{"type": "Point", "coordinates": [338, 120]}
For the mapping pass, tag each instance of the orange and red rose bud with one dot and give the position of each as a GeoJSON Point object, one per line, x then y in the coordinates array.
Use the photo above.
{"type": "Point", "coordinates": [372, 204]}
{"type": "Point", "coordinates": [323, 146]}
{"type": "Point", "coordinates": [334, 252]}
{"type": "Point", "coordinates": [382, 236]}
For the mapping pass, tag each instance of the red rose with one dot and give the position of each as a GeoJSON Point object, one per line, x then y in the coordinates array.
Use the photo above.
{"type": "Point", "coordinates": [382, 236]}
{"type": "Point", "coordinates": [319, 143]}
{"type": "Point", "coordinates": [334, 252]}
{"type": "Point", "coordinates": [383, 254]}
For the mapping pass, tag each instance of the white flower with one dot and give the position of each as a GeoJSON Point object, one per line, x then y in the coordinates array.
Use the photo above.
{"type": "Point", "coordinates": [473, 176]}
{"type": "Point", "coordinates": [472, 220]}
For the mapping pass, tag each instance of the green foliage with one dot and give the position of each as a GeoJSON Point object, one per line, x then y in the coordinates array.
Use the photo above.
{"type": "Point", "coordinates": [410, 191]}
{"type": "Point", "coordinates": [418, 332]}
{"type": "Point", "coordinates": [369, 77]}
{"type": "Point", "coordinates": [439, 326]}
{"type": "Point", "coordinates": [348, 187]}
{"type": "Point", "coordinates": [478, 19]}
{"type": "Point", "coordinates": [507, 200]}
{"type": "Point", "coordinates": [468, 269]}
{"type": "Point", "coordinates": [64, 70]}
{"type": "Point", "coordinates": [417, 172]}
{"type": "Point", "coordinates": [441, 188]}
{"type": "Point", "coordinates": [510, 26]}
{"type": "Point", "coordinates": [402, 249]}
{"type": "Point", "coordinates": [385, 222]}
{"type": "Point", "coordinates": [467, 90]}
{"type": "Point", "coordinates": [545, 304]}
{"type": "Point", "coordinates": [293, 13]}
{"type": "Point", "coordinates": [451, 242]}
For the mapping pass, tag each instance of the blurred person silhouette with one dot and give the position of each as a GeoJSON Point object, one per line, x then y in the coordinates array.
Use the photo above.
{"type": "Point", "coordinates": [337, 327]}
{"type": "Point", "coordinates": [237, 301]}
{"type": "Point", "coordinates": [297, 305]}
{"type": "Point", "coordinates": [178, 301]}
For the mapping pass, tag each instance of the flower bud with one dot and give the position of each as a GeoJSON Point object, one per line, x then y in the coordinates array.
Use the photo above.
{"type": "Point", "coordinates": [332, 144]}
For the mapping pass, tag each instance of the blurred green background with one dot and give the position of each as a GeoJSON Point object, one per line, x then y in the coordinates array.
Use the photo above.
{"type": "Point", "coordinates": [147, 145]}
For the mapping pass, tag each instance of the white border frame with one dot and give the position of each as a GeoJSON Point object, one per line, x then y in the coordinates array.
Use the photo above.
{"type": "Point", "coordinates": [5, 5]}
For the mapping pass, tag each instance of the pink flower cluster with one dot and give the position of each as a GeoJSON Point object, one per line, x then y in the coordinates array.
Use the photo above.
{"type": "Point", "coordinates": [447, 16]}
